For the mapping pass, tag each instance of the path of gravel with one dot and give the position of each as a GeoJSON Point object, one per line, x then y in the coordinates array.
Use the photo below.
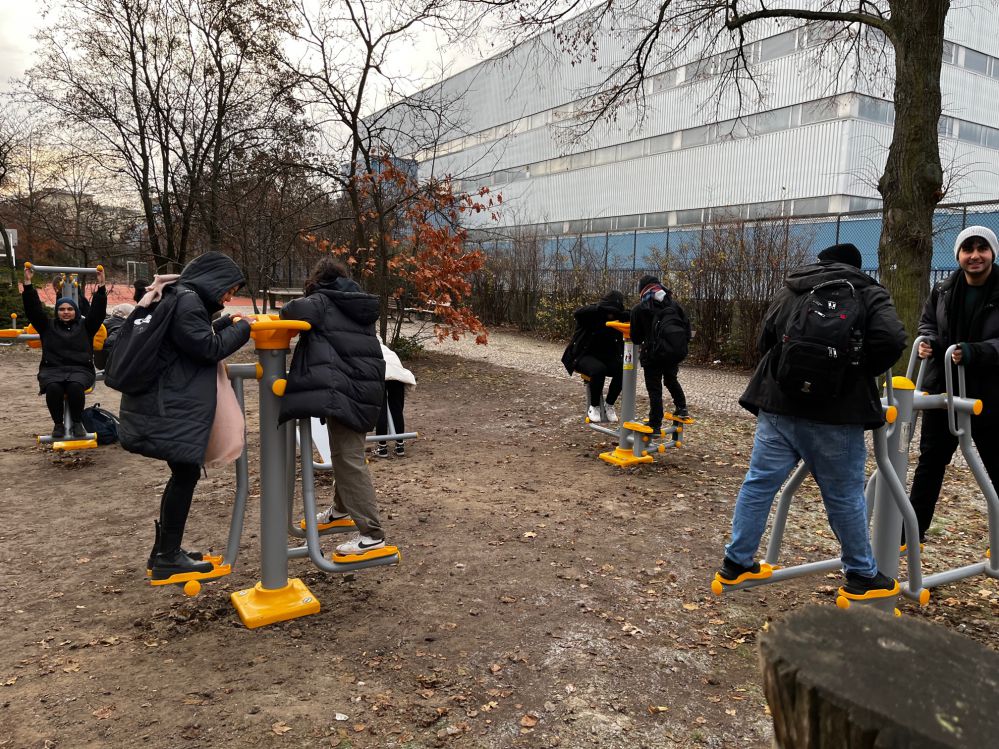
{"type": "Point", "coordinates": [707, 389]}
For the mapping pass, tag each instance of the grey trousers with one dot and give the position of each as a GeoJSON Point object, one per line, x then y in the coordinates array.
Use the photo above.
{"type": "Point", "coordinates": [353, 492]}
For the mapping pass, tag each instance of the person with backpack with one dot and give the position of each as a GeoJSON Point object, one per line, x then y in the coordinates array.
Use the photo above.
{"type": "Point", "coordinates": [337, 373]}
{"type": "Point", "coordinates": [170, 416]}
{"type": "Point", "coordinates": [598, 352]}
{"type": "Point", "coordinates": [66, 371]}
{"type": "Point", "coordinates": [661, 328]}
{"type": "Point", "coordinates": [829, 332]}
{"type": "Point", "coordinates": [962, 309]}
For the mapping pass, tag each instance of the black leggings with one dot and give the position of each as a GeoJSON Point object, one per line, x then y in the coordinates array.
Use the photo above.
{"type": "Point", "coordinates": [395, 398]}
{"type": "Point", "coordinates": [72, 393]}
{"type": "Point", "coordinates": [176, 504]}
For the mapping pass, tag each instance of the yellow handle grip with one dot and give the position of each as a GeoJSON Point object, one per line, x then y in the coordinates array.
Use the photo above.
{"type": "Point", "coordinates": [279, 325]}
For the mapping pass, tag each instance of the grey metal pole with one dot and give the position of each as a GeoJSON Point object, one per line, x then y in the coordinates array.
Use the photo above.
{"type": "Point", "coordinates": [273, 471]}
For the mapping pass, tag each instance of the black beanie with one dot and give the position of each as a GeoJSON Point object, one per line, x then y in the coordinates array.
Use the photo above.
{"type": "Point", "coordinates": [615, 298]}
{"type": "Point", "coordinates": [842, 253]}
{"type": "Point", "coordinates": [646, 280]}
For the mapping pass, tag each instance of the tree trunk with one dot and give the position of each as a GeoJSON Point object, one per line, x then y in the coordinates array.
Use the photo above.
{"type": "Point", "coordinates": [912, 182]}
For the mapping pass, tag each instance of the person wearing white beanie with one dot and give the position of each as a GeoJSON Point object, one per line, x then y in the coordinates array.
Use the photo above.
{"type": "Point", "coordinates": [962, 310]}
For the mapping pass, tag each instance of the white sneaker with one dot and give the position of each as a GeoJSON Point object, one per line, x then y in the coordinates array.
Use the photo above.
{"type": "Point", "coordinates": [330, 515]}
{"type": "Point", "coordinates": [360, 545]}
{"type": "Point", "coordinates": [594, 415]}
{"type": "Point", "coordinates": [611, 413]}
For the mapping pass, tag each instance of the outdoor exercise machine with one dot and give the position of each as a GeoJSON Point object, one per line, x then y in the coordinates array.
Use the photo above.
{"type": "Point", "coordinates": [634, 437]}
{"type": "Point", "coordinates": [888, 505]}
{"type": "Point", "coordinates": [275, 597]}
{"type": "Point", "coordinates": [68, 278]}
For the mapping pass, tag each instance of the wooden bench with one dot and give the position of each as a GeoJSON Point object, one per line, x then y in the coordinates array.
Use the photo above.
{"type": "Point", "coordinates": [284, 295]}
{"type": "Point", "coordinates": [431, 311]}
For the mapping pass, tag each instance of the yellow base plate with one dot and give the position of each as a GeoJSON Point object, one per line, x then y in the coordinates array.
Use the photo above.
{"type": "Point", "coordinates": [341, 523]}
{"type": "Point", "coordinates": [623, 458]}
{"type": "Point", "coordinates": [385, 551]}
{"type": "Point", "coordinates": [67, 445]}
{"type": "Point", "coordinates": [220, 570]}
{"type": "Point", "coordinates": [258, 607]}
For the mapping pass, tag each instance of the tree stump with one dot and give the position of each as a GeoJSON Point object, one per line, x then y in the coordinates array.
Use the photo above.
{"type": "Point", "coordinates": [860, 679]}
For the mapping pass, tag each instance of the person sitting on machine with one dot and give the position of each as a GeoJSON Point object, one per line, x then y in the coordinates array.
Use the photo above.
{"type": "Point", "coordinates": [66, 371]}
{"type": "Point", "coordinates": [597, 352]}
{"type": "Point", "coordinates": [398, 380]}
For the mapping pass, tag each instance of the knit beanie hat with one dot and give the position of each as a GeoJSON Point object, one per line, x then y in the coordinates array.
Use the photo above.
{"type": "Point", "coordinates": [977, 231]}
{"type": "Point", "coordinates": [615, 298]}
{"type": "Point", "coordinates": [646, 280]}
{"type": "Point", "coordinates": [66, 300]}
{"type": "Point", "coordinates": [841, 253]}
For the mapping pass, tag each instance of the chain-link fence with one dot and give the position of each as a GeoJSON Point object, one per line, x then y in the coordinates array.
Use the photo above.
{"type": "Point", "coordinates": [725, 272]}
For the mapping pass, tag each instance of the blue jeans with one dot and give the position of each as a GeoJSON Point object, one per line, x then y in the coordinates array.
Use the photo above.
{"type": "Point", "coordinates": [835, 455]}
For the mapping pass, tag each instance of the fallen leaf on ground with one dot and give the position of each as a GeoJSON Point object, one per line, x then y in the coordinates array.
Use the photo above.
{"type": "Point", "coordinates": [280, 728]}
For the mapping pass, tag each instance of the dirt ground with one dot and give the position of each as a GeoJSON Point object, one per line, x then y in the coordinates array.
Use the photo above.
{"type": "Point", "coordinates": [544, 598]}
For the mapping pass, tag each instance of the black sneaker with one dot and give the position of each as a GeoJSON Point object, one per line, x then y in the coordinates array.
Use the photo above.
{"type": "Point", "coordinates": [382, 450]}
{"type": "Point", "coordinates": [732, 573]}
{"type": "Point", "coordinates": [58, 432]}
{"type": "Point", "coordinates": [400, 450]}
{"type": "Point", "coordinates": [879, 586]}
{"type": "Point", "coordinates": [78, 431]}
{"type": "Point", "coordinates": [682, 413]}
{"type": "Point", "coordinates": [175, 563]}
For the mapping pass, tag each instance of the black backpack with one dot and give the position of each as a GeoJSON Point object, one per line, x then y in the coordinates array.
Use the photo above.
{"type": "Point", "coordinates": [137, 360]}
{"type": "Point", "coordinates": [821, 348]}
{"type": "Point", "coordinates": [667, 341]}
{"type": "Point", "coordinates": [101, 421]}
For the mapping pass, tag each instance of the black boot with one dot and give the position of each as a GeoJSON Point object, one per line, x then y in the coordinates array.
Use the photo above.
{"type": "Point", "coordinates": [196, 556]}
{"type": "Point", "coordinates": [58, 432]}
{"type": "Point", "coordinates": [176, 562]}
{"type": "Point", "coordinates": [78, 431]}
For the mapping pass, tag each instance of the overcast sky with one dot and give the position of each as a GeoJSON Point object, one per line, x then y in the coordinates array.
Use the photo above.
{"type": "Point", "coordinates": [19, 20]}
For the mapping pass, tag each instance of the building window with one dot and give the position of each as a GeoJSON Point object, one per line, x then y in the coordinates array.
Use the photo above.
{"type": "Point", "coordinates": [811, 206]}
{"type": "Point", "coordinates": [695, 136]}
{"type": "Point", "coordinates": [819, 111]}
{"type": "Point", "coordinates": [685, 218]}
{"type": "Point", "coordinates": [976, 61]}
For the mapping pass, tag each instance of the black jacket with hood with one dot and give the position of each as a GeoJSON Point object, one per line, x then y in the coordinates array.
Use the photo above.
{"type": "Point", "coordinates": [643, 317]}
{"type": "Point", "coordinates": [67, 348]}
{"type": "Point", "coordinates": [337, 370]}
{"type": "Point", "coordinates": [174, 420]}
{"type": "Point", "coordinates": [980, 354]}
{"type": "Point", "coordinates": [884, 341]}
{"type": "Point", "coordinates": [592, 337]}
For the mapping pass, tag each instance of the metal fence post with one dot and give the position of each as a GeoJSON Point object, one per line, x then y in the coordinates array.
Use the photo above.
{"type": "Point", "coordinates": [839, 217]}
{"type": "Point", "coordinates": [964, 217]}
{"type": "Point", "coordinates": [634, 249]}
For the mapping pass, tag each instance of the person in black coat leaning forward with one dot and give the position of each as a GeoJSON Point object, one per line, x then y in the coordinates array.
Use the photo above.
{"type": "Point", "coordinates": [173, 420]}
{"type": "Point", "coordinates": [66, 371]}
{"type": "Point", "coordinates": [338, 373]}
{"type": "Point", "coordinates": [598, 352]}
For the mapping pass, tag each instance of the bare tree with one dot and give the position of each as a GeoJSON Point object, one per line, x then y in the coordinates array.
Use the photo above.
{"type": "Point", "coordinates": [169, 89]}
{"type": "Point", "coordinates": [345, 72]}
{"type": "Point", "coordinates": [907, 35]}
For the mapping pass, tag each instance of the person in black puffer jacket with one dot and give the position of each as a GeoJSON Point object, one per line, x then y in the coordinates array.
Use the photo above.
{"type": "Point", "coordinates": [338, 373]}
{"type": "Point", "coordinates": [67, 367]}
{"type": "Point", "coordinates": [173, 420]}
{"type": "Point", "coordinates": [598, 352]}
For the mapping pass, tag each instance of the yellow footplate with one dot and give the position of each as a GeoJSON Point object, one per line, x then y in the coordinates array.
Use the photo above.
{"type": "Point", "coordinates": [368, 556]}
{"type": "Point", "coordinates": [219, 570]}
{"type": "Point", "coordinates": [341, 523]}
{"type": "Point", "coordinates": [720, 583]}
{"type": "Point", "coordinates": [67, 445]}
{"type": "Point", "coordinates": [843, 598]}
